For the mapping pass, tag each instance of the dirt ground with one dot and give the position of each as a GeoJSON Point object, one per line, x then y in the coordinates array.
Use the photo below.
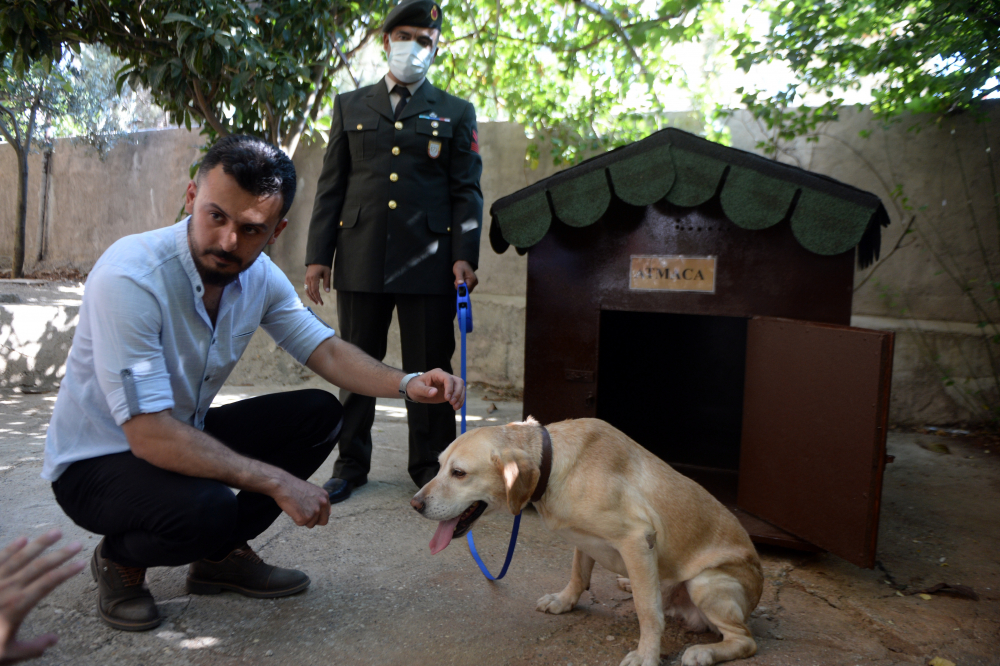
{"type": "Point", "coordinates": [378, 597]}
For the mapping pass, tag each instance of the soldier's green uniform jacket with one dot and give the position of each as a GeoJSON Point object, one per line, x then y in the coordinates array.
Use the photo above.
{"type": "Point", "coordinates": [398, 202]}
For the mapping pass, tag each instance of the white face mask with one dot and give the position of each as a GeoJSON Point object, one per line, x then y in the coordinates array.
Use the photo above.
{"type": "Point", "coordinates": [409, 61]}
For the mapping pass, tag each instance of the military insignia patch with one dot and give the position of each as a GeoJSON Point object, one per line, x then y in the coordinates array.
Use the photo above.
{"type": "Point", "coordinates": [434, 149]}
{"type": "Point", "coordinates": [475, 142]}
{"type": "Point", "coordinates": [434, 13]}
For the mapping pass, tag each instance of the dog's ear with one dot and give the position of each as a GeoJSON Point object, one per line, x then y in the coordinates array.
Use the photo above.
{"type": "Point", "coordinates": [520, 475]}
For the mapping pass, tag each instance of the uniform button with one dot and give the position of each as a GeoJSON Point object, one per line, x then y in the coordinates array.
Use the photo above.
{"type": "Point", "coordinates": [399, 125]}
{"type": "Point", "coordinates": [434, 124]}
{"type": "Point", "coordinates": [393, 177]}
{"type": "Point", "coordinates": [395, 150]}
{"type": "Point", "coordinates": [449, 228]}
{"type": "Point", "coordinates": [434, 133]}
{"type": "Point", "coordinates": [208, 377]}
{"type": "Point", "coordinates": [392, 204]}
{"type": "Point", "coordinates": [360, 126]}
{"type": "Point", "coordinates": [341, 223]}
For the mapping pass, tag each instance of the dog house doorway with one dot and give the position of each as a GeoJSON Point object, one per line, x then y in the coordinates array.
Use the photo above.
{"type": "Point", "coordinates": [674, 383]}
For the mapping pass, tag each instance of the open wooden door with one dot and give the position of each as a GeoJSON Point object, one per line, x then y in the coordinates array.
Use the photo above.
{"type": "Point", "coordinates": [815, 411]}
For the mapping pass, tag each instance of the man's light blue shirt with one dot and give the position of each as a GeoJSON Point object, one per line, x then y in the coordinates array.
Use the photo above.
{"type": "Point", "coordinates": [145, 342]}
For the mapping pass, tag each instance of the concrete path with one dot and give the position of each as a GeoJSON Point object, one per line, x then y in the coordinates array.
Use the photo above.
{"type": "Point", "coordinates": [378, 596]}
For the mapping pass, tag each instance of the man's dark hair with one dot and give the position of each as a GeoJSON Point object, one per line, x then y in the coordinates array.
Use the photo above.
{"type": "Point", "coordinates": [258, 167]}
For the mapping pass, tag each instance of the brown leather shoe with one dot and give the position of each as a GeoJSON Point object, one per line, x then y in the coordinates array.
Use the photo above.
{"type": "Point", "coordinates": [243, 572]}
{"type": "Point", "coordinates": [123, 600]}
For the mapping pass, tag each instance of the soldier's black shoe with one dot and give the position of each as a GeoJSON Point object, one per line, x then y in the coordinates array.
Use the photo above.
{"type": "Point", "coordinates": [123, 600]}
{"type": "Point", "coordinates": [338, 489]}
{"type": "Point", "coordinates": [243, 572]}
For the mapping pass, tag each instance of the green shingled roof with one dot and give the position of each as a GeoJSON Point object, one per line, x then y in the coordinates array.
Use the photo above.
{"type": "Point", "coordinates": [826, 217]}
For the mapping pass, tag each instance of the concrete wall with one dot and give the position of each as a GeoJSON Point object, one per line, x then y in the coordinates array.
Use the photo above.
{"type": "Point", "coordinates": [140, 186]}
{"type": "Point", "coordinates": [93, 203]}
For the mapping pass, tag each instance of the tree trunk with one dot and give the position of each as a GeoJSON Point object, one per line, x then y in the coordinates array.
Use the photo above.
{"type": "Point", "coordinates": [43, 208]}
{"type": "Point", "coordinates": [17, 268]}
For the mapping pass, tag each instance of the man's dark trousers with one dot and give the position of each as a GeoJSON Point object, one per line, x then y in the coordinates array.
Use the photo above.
{"type": "Point", "coordinates": [427, 336]}
{"type": "Point", "coordinates": [153, 517]}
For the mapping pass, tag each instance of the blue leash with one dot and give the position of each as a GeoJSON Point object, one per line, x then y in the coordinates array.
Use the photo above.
{"type": "Point", "coordinates": [463, 306]}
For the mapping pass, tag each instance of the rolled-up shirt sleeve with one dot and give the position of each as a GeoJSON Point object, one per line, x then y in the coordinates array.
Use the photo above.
{"type": "Point", "coordinates": [291, 325]}
{"type": "Point", "coordinates": [125, 322]}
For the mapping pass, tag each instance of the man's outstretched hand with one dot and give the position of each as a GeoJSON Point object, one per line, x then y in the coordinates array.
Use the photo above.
{"type": "Point", "coordinates": [437, 386]}
{"type": "Point", "coordinates": [26, 577]}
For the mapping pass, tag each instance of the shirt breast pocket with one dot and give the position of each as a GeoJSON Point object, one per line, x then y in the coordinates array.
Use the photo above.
{"type": "Point", "coordinates": [240, 342]}
{"type": "Point", "coordinates": [437, 132]}
{"type": "Point", "coordinates": [362, 134]}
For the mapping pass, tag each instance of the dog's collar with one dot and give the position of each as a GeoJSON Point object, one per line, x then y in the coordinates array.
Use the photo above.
{"type": "Point", "coordinates": [546, 467]}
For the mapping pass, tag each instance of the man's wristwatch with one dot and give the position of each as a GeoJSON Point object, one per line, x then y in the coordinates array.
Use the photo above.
{"type": "Point", "coordinates": [404, 381]}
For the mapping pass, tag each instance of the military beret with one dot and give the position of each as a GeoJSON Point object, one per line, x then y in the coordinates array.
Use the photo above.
{"type": "Point", "coordinates": [418, 13]}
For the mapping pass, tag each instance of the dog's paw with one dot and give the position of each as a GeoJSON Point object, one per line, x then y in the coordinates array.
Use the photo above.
{"type": "Point", "coordinates": [635, 658]}
{"type": "Point", "coordinates": [699, 655]}
{"type": "Point", "coordinates": [624, 584]}
{"type": "Point", "coordinates": [554, 604]}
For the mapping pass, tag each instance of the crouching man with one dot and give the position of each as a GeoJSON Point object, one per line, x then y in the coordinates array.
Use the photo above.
{"type": "Point", "coordinates": [134, 450]}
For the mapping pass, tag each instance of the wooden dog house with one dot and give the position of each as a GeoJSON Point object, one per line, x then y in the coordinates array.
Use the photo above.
{"type": "Point", "coordinates": [698, 298]}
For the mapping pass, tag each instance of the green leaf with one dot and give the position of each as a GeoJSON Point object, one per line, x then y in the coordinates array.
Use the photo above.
{"type": "Point", "coordinates": [174, 17]}
{"type": "Point", "coordinates": [121, 78]}
{"type": "Point", "coordinates": [240, 80]}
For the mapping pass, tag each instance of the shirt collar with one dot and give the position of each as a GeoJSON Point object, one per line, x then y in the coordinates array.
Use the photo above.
{"type": "Point", "coordinates": [412, 87]}
{"type": "Point", "coordinates": [187, 261]}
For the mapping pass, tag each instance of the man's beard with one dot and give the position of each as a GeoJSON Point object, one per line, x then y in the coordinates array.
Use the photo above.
{"type": "Point", "coordinates": [209, 275]}
{"type": "Point", "coordinates": [215, 277]}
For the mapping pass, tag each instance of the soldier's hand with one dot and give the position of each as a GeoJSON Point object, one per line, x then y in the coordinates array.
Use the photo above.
{"type": "Point", "coordinates": [437, 386]}
{"type": "Point", "coordinates": [464, 275]}
{"type": "Point", "coordinates": [316, 273]}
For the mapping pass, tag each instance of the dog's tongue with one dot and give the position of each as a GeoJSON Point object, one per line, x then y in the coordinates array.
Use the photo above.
{"type": "Point", "coordinates": [442, 537]}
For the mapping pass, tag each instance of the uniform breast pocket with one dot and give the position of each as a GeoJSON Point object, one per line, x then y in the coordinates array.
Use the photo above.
{"type": "Point", "coordinates": [437, 132]}
{"type": "Point", "coordinates": [361, 136]}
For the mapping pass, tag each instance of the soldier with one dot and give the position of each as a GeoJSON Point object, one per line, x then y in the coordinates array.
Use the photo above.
{"type": "Point", "coordinates": [399, 203]}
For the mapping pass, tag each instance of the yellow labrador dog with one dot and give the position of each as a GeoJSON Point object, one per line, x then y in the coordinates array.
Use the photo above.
{"type": "Point", "coordinates": [619, 505]}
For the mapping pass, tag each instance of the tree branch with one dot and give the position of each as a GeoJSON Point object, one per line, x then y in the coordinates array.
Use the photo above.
{"type": "Point", "coordinates": [343, 59]}
{"type": "Point", "coordinates": [296, 129]}
{"type": "Point", "coordinates": [269, 112]}
{"type": "Point", "coordinates": [317, 105]}
{"type": "Point", "coordinates": [31, 116]}
{"type": "Point", "coordinates": [14, 141]}
{"type": "Point", "coordinates": [206, 110]}
{"type": "Point", "coordinates": [609, 18]}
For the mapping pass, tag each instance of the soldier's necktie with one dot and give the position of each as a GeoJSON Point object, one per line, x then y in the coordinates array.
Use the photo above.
{"type": "Point", "coordinates": [404, 96]}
